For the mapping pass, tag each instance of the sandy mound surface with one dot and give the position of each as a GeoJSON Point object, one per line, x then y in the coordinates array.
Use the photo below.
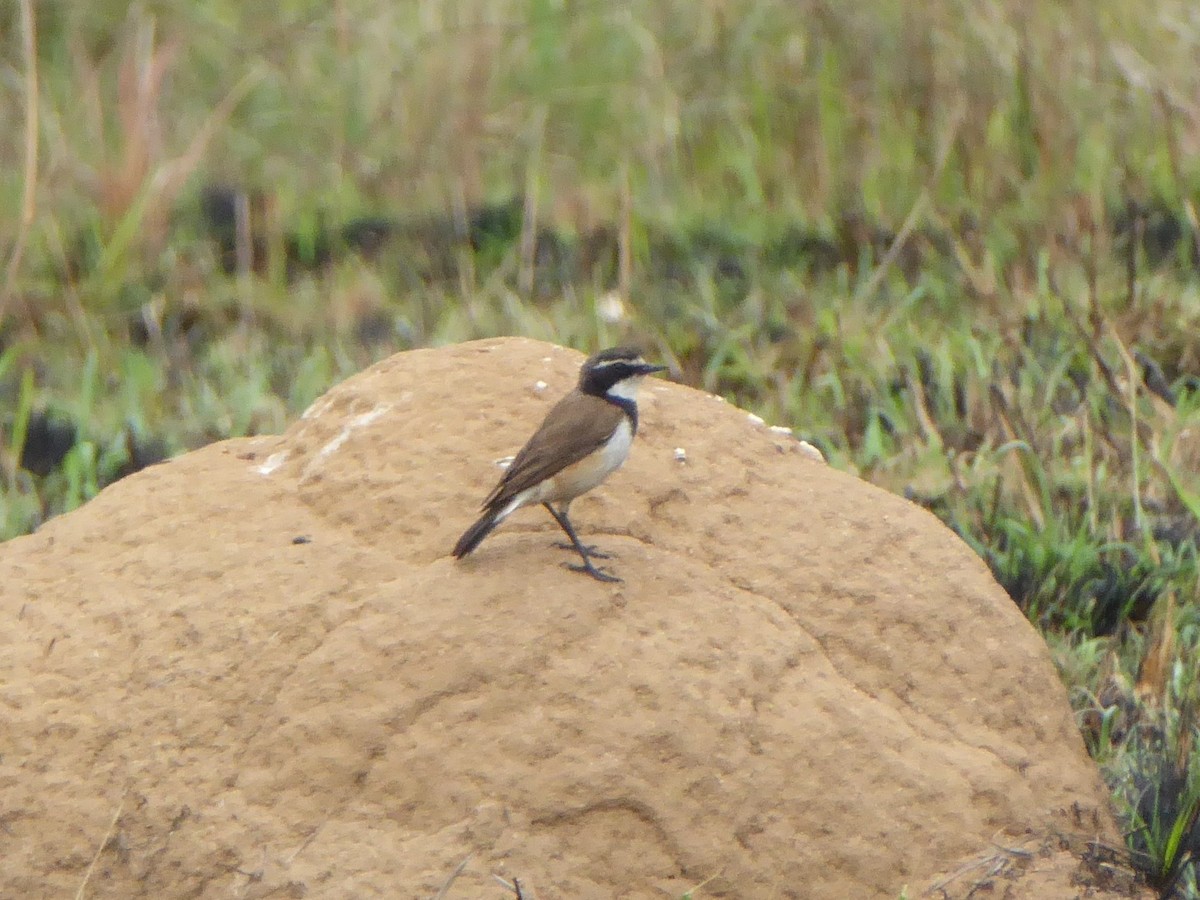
{"type": "Point", "coordinates": [255, 671]}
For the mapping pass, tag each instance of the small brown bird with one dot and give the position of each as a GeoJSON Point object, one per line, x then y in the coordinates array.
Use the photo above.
{"type": "Point", "coordinates": [584, 438]}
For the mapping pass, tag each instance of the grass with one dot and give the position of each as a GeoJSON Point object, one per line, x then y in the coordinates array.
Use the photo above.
{"type": "Point", "coordinates": [954, 246]}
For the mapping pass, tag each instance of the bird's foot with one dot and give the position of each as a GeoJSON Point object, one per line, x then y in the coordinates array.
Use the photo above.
{"type": "Point", "coordinates": [590, 550]}
{"type": "Point", "coordinates": [588, 569]}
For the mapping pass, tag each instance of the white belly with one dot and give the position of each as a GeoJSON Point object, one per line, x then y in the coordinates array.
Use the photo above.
{"type": "Point", "coordinates": [580, 477]}
{"type": "Point", "coordinates": [591, 470]}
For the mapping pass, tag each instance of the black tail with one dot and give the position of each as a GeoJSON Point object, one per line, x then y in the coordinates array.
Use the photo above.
{"type": "Point", "coordinates": [475, 534]}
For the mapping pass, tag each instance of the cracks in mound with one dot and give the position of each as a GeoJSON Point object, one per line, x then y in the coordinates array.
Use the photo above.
{"type": "Point", "coordinates": [921, 722]}
{"type": "Point", "coordinates": [641, 812]}
{"type": "Point", "coordinates": [925, 723]}
{"type": "Point", "coordinates": [719, 559]}
{"type": "Point", "coordinates": [415, 711]}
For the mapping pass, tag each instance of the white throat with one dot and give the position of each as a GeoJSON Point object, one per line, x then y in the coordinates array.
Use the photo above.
{"type": "Point", "coordinates": [626, 388]}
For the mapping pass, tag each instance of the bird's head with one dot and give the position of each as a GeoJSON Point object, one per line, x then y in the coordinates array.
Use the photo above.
{"type": "Point", "coordinates": [615, 372]}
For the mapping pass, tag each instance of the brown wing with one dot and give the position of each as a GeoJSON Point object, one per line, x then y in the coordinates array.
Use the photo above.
{"type": "Point", "coordinates": [574, 427]}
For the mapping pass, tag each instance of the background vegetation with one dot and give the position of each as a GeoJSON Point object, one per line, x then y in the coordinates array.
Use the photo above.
{"type": "Point", "coordinates": [954, 244]}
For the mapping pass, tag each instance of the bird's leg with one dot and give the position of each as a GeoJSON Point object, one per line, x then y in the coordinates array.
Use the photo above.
{"type": "Point", "coordinates": [589, 549]}
{"type": "Point", "coordinates": [587, 567]}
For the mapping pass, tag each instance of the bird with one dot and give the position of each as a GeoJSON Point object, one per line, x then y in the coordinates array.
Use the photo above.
{"type": "Point", "coordinates": [584, 438]}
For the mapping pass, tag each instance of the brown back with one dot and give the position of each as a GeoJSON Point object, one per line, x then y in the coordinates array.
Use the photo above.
{"type": "Point", "coordinates": [575, 426]}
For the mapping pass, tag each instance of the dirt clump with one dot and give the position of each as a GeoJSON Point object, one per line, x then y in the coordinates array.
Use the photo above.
{"type": "Point", "coordinates": [255, 670]}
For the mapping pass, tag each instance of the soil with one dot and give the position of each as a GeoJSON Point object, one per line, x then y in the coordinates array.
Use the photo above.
{"type": "Point", "coordinates": [256, 671]}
